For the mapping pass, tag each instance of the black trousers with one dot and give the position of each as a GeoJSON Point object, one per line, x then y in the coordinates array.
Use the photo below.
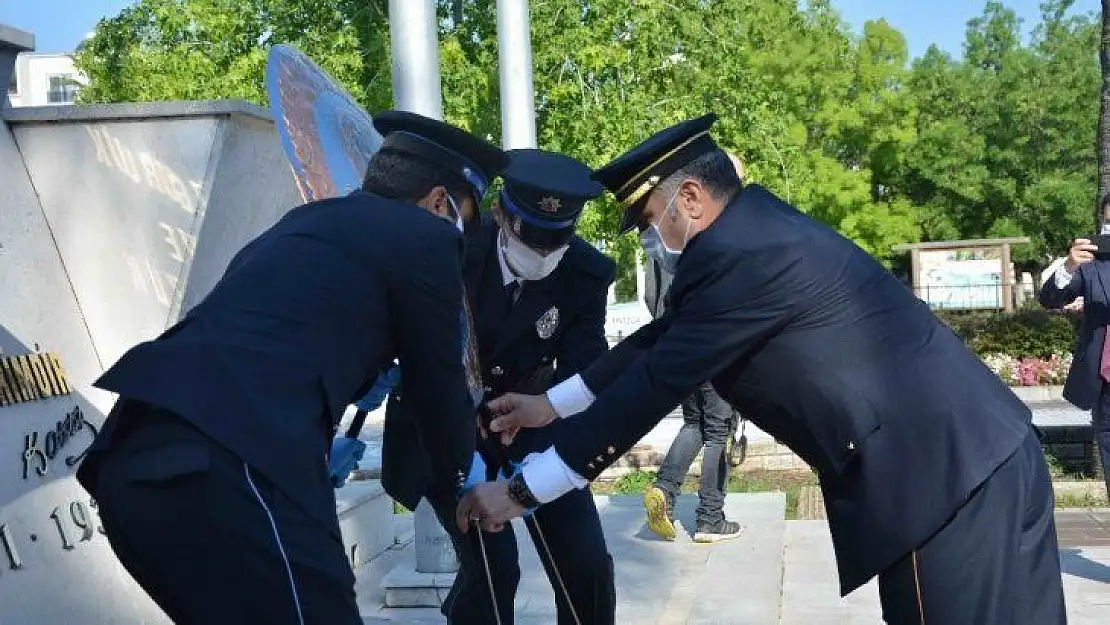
{"type": "Point", "coordinates": [572, 531]}
{"type": "Point", "coordinates": [995, 563]}
{"type": "Point", "coordinates": [209, 539]}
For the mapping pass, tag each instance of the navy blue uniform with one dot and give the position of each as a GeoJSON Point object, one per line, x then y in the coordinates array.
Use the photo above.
{"type": "Point", "coordinates": [822, 348]}
{"type": "Point", "coordinates": [211, 471]}
{"type": "Point", "coordinates": [516, 358]}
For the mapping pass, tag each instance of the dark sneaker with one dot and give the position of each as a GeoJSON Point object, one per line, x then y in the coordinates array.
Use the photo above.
{"type": "Point", "coordinates": [660, 512]}
{"type": "Point", "coordinates": [713, 532]}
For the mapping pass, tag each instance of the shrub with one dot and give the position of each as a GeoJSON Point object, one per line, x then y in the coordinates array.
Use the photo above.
{"type": "Point", "coordinates": [1023, 334]}
{"type": "Point", "coordinates": [1029, 371]}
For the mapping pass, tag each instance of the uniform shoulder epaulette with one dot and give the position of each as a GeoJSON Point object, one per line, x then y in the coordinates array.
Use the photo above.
{"type": "Point", "coordinates": [586, 258]}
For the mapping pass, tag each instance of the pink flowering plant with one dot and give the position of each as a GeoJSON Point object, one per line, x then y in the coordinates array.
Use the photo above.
{"type": "Point", "coordinates": [1029, 371]}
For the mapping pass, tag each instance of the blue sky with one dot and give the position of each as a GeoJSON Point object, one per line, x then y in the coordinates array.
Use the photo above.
{"type": "Point", "coordinates": [59, 25]}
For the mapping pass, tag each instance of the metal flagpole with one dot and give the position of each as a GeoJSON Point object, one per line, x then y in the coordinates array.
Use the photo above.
{"type": "Point", "coordinates": [414, 43]}
{"type": "Point", "coordinates": [518, 130]}
{"type": "Point", "coordinates": [514, 57]}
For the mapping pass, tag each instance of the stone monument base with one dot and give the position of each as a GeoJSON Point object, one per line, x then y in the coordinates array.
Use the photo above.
{"type": "Point", "coordinates": [405, 587]}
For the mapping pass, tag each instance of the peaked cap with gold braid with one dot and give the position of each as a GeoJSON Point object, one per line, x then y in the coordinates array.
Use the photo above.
{"type": "Point", "coordinates": [633, 175]}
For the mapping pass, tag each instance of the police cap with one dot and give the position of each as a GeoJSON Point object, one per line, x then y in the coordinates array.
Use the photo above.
{"type": "Point", "coordinates": [543, 195]}
{"type": "Point", "coordinates": [476, 162]}
{"type": "Point", "coordinates": [633, 175]}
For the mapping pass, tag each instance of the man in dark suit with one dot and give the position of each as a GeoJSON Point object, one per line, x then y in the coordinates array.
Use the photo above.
{"type": "Point", "coordinates": [1088, 383]}
{"type": "Point", "coordinates": [707, 421]}
{"type": "Point", "coordinates": [211, 471]}
{"type": "Point", "coordinates": [538, 294]}
{"type": "Point", "coordinates": [932, 475]}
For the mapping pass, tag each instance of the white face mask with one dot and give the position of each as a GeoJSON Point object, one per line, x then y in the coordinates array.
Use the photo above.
{"type": "Point", "coordinates": [652, 240]}
{"type": "Point", "coordinates": [527, 263]}
{"type": "Point", "coordinates": [458, 213]}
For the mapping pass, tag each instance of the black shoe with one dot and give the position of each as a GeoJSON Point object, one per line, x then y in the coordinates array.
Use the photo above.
{"type": "Point", "coordinates": [713, 532]}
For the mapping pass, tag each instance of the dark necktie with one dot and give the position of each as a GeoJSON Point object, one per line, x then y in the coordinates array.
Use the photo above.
{"type": "Point", "coordinates": [512, 293]}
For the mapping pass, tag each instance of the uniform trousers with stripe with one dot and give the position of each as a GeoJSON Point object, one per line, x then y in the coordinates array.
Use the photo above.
{"type": "Point", "coordinates": [996, 562]}
{"type": "Point", "coordinates": [211, 540]}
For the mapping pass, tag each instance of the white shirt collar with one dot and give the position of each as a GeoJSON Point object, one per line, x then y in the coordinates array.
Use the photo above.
{"type": "Point", "coordinates": [507, 275]}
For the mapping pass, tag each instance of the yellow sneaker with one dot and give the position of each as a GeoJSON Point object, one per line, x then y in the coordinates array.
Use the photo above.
{"type": "Point", "coordinates": [660, 512]}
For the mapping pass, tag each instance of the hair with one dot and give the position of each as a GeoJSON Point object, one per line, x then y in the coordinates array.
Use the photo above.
{"type": "Point", "coordinates": [408, 179]}
{"type": "Point", "coordinates": [1103, 203]}
{"type": "Point", "coordinates": [714, 170]}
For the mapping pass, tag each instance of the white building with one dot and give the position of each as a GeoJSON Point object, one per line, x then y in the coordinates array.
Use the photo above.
{"type": "Point", "coordinates": [43, 80]}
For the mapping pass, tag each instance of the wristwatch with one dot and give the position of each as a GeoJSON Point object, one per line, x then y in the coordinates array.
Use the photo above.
{"type": "Point", "coordinates": [520, 493]}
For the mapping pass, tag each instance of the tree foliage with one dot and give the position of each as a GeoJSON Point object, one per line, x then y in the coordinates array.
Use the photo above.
{"type": "Point", "coordinates": [1000, 141]}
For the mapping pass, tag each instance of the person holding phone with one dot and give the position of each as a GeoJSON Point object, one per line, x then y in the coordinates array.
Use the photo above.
{"type": "Point", "coordinates": [1086, 274]}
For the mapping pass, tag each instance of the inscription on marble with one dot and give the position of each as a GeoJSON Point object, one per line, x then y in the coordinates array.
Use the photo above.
{"type": "Point", "coordinates": [32, 377]}
{"type": "Point", "coordinates": [40, 448]}
{"type": "Point", "coordinates": [74, 522]}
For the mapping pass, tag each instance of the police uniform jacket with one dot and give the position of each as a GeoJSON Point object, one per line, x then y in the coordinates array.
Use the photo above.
{"type": "Point", "coordinates": [814, 341]}
{"type": "Point", "coordinates": [303, 320]}
{"type": "Point", "coordinates": [523, 347]}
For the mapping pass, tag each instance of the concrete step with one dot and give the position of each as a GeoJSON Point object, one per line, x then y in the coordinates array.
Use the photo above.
{"type": "Point", "coordinates": [657, 581]}
{"type": "Point", "coordinates": [810, 587]}
{"type": "Point", "coordinates": [365, 520]}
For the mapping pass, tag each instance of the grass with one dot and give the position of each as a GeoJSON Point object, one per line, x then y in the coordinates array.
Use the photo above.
{"type": "Point", "coordinates": [1072, 499]}
{"type": "Point", "coordinates": [1083, 500]}
{"type": "Point", "coordinates": [759, 481]}
{"type": "Point", "coordinates": [792, 482]}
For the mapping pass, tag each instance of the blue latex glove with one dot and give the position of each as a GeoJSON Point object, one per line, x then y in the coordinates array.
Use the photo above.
{"type": "Point", "coordinates": [345, 454]}
{"type": "Point", "coordinates": [382, 386]}
{"type": "Point", "coordinates": [477, 472]}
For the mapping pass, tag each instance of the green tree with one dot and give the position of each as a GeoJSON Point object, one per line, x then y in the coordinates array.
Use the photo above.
{"type": "Point", "coordinates": [994, 143]}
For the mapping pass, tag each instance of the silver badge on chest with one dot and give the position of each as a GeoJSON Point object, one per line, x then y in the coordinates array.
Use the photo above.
{"type": "Point", "coordinates": [545, 325]}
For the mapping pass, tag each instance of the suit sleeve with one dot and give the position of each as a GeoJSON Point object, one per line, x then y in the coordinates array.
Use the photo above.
{"type": "Point", "coordinates": [610, 365]}
{"type": "Point", "coordinates": [427, 308]}
{"type": "Point", "coordinates": [1054, 295]}
{"type": "Point", "coordinates": [724, 309]}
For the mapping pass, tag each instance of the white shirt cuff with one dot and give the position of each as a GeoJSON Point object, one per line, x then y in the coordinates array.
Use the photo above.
{"type": "Point", "coordinates": [1063, 277]}
{"type": "Point", "coordinates": [570, 397]}
{"type": "Point", "coordinates": [548, 477]}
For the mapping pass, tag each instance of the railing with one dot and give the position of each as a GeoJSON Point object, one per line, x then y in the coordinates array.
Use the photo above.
{"type": "Point", "coordinates": [993, 296]}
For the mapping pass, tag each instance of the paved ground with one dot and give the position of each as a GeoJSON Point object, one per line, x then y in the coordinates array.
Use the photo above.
{"type": "Point", "coordinates": [1083, 528]}
{"type": "Point", "coordinates": [1050, 413]}
{"type": "Point", "coordinates": [777, 573]}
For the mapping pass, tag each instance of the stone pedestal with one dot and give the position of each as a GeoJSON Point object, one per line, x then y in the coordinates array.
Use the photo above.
{"type": "Point", "coordinates": [425, 582]}
{"type": "Point", "coordinates": [365, 519]}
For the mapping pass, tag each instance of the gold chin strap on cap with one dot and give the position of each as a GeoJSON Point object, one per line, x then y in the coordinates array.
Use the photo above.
{"type": "Point", "coordinates": [650, 183]}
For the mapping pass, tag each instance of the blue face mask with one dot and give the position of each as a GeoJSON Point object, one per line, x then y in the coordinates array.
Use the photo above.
{"type": "Point", "coordinates": [652, 241]}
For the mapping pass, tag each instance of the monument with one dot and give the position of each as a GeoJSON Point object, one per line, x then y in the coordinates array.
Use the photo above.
{"type": "Point", "coordinates": [113, 221]}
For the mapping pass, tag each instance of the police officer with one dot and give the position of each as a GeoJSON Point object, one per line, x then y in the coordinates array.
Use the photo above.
{"type": "Point", "coordinates": [539, 298]}
{"type": "Point", "coordinates": [932, 475]}
{"type": "Point", "coordinates": [211, 470]}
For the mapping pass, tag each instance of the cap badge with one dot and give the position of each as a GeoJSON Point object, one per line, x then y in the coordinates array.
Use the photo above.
{"type": "Point", "coordinates": [550, 204]}
{"type": "Point", "coordinates": [545, 325]}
